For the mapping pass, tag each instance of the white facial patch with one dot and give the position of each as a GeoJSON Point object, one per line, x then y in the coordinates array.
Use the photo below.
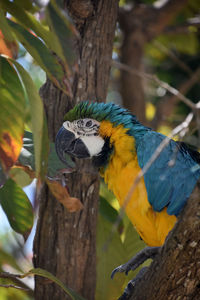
{"type": "Point", "coordinates": [88, 131]}
{"type": "Point", "coordinates": [93, 143]}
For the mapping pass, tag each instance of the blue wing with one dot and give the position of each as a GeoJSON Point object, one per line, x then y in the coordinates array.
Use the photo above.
{"type": "Point", "coordinates": [171, 178]}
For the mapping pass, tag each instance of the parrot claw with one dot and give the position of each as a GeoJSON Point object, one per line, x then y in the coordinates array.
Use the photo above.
{"type": "Point", "coordinates": [137, 260]}
{"type": "Point", "coordinates": [120, 269]}
{"type": "Point", "coordinates": [132, 264]}
{"type": "Point", "coordinates": [125, 268]}
{"type": "Point", "coordinates": [131, 284]}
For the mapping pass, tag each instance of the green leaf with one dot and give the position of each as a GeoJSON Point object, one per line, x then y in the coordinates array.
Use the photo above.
{"type": "Point", "coordinates": [5, 28]}
{"type": "Point", "coordinates": [110, 254]}
{"type": "Point", "coordinates": [12, 114]}
{"type": "Point", "coordinates": [46, 274]}
{"type": "Point", "coordinates": [109, 213]}
{"type": "Point", "coordinates": [47, 61]}
{"type": "Point", "coordinates": [108, 195]}
{"type": "Point", "coordinates": [8, 259]}
{"type": "Point", "coordinates": [39, 127]}
{"type": "Point", "coordinates": [27, 4]}
{"type": "Point", "coordinates": [114, 249]}
{"type": "Point", "coordinates": [58, 37]}
{"type": "Point", "coordinates": [12, 293]}
{"type": "Point", "coordinates": [178, 42]}
{"type": "Point", "coordinates": [17, 207]}
{"type": "Point", "coordinates": [132, 242]}
{"type": "Point", "coordinates": [3, 177]}
{"type": "Point", "coordinates": [63, 30]}
{"type": "Point", "coordinates": [27, 20]}
{"type": "Point", "coordinates": [20, 176]}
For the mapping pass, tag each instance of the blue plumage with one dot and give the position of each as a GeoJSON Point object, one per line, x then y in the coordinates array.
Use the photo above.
{"type": "Point", "coordinates": [172, 177]}
{"type": "Point", "coordinates": [168, 185]}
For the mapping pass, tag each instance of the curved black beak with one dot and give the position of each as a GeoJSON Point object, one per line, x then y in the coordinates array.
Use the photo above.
{"type": "Point", "coordinates": [66, 142]}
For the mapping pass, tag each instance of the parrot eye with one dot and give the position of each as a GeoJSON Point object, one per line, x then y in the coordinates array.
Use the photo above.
{"type": "Point", "coordinates": [88, 123]}
{"type": "Point", "coordinates": [80, 123]}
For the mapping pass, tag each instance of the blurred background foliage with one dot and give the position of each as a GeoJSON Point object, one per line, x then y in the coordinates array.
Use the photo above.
{"type": "Point", "coordinates": [173, 56]}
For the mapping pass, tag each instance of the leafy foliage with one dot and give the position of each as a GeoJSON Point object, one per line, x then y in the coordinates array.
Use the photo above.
{"type": "Point", "coordinates": [12, 104]}
{"type": "Point", "coordinates": [21, 104]}
{"type": "Point", "coordinates": [17, 207]}
{"type": "Point", "coordinates": [46, 274]}
{"type": "Point", "coordinates": [173, 55]}
{"type": "Point", "coordinates": [113, 248]}
{"type": "Point", "coordinates": [25, 155]}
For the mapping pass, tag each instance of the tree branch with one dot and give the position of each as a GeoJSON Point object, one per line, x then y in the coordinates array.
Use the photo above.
{"type": "Point", "coordinates": [166, 106]}
{"type": "Point", "coordinates": [13, 286]}
{"type": "Point", "coordinates": [140, 25]}
{"type": "Point", "coordinates": [9, 275]}
{"type": "Point", "coordinates": [16, 279]}
{"type": "Point", "coordinates": [161, 83]}
{"type": "Point", "coordinates": [151, 20]}
{"type": "Point", "coordinates": [183, 28]}
{"type": "Point", "coordinates": [175, 272]}
{"type": "Point", "coordinates": [175, 58]}
{"type": "Point", "coordinates": [164, 15]}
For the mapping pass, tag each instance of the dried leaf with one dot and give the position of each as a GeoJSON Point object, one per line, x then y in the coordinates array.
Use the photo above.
{"type": "Point", "coordinates": [61, 193]}
{"type": "Point", "coordinates": [8, 48]}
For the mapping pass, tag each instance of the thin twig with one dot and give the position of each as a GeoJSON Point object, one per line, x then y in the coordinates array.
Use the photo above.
{"type": "Point", "coordinates": [171, 54]}
{"type": "Point", "coordinates": [180, 129]}
{"type": "Point", "coordinates": [194, 106]}
{"type": "Point", "coordinates": [161, 83]}
{"type": "Point", "coordinates": [9, 275]}
{"type": "Point", "coordinates": [16, 278]}
{"type": "Point", "coordinates": [13, 286]}
{"type": "Point", "coordinates": [183, 28]}
{"type": "Point", "coordinates": [166, 106]}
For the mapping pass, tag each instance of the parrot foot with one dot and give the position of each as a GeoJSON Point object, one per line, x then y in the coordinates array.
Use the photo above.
{"type": "Point", "coordinates": [132, 264]}
{"type": "Point", "coordinates": [130, 286]}
{"type": "Point", "coordinates": [137, 260]}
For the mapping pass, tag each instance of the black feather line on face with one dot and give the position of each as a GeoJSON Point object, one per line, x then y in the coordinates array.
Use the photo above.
{"type": "Point", "coordinates": [102, 159]}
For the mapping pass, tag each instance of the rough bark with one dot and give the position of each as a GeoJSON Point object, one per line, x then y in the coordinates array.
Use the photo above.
{"type": "Point", "coordinates": [140, 25]}
{"type": "Point", "coordinates": [175, 273]}
{"type": "Point", "coordinates": [65, 243]}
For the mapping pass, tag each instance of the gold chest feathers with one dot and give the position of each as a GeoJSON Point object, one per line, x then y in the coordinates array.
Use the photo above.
{"type": "Point", "coordinates": [120, 174]}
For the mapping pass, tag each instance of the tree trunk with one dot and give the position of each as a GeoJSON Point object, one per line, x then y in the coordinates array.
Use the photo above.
{"type": "Point", "coordinates": [65, 243]}
{"type": "Point", "coordinates": [175, 273]}
{"type": "Point", "coordinates": [132, 89]}
{"type": "Point", "coordinates": [140, 25]}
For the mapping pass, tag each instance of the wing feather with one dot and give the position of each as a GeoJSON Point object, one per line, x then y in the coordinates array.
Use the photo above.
{"type": "Point", "coordinates": [171, 178]}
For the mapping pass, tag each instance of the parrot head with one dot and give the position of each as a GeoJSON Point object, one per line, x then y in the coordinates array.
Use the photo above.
{"type": "Point", "coordinates": [79, 138]}
{"type": "Point", "coordinates": [81, 134]}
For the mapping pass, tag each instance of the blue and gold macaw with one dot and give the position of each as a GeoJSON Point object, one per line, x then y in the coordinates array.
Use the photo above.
{"type": "Point", "coordinates": [120, 147]}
